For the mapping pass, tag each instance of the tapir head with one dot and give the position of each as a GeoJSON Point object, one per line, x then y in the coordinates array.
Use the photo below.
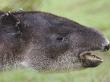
{"type": "Point", "coordinates": [54, 43]}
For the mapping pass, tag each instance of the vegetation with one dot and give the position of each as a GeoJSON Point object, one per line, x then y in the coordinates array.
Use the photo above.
{"type": "Point", "coordinates": [93, 13]}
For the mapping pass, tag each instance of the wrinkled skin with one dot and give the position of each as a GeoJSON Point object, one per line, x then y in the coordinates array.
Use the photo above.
{"type": "Point", "coordinates": [47, 42]}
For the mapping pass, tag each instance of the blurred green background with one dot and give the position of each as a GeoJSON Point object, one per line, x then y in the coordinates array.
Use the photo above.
{"type": "Point", "coordinates": [92, 13]}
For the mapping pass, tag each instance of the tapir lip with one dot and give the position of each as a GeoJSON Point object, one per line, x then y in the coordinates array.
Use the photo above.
{"type": "Point", "coordinates": [90, 60]}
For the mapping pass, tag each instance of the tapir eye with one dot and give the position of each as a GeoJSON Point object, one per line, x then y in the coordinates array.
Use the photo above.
{"type": "Point", "coordinates": [60, 38]}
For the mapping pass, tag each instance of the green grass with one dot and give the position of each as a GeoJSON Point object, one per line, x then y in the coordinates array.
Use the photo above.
{"type": "Point", "coordinates": [93, 13]}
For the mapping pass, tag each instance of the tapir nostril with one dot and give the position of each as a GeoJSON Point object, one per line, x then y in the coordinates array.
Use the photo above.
{"type": "Point", "coordinates": [107, 47]}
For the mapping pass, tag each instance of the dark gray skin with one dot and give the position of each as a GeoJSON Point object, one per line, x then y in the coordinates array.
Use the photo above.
{"type": "Point", "coordinates": [47, 42]}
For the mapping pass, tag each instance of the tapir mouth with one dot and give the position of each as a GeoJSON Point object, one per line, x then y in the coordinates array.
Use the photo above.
{"type": "Point", "coordinates": [90, 60]}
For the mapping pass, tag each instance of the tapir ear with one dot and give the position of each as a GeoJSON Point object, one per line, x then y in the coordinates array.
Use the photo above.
{"type": "Point", "coordinates": [8, 19]}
